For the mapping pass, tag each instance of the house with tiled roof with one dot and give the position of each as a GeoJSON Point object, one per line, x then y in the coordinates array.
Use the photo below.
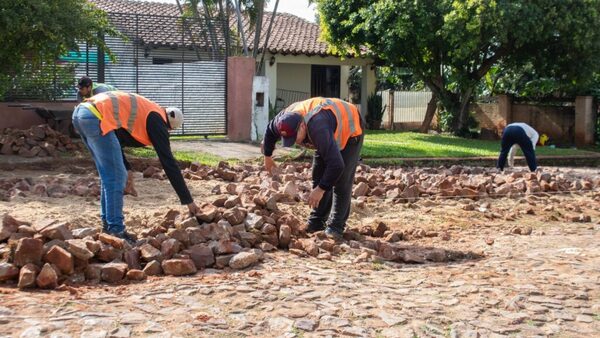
{"type": "Point", "coordinates": [300, 65]}
{"type": "Point", "coordinates": [297, 63]}
{"type": "Point", "coordinates": [183, 62]}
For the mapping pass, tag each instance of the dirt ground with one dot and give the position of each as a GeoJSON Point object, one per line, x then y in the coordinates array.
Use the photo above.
{"type": "Point", "coordinates": [542, 284]}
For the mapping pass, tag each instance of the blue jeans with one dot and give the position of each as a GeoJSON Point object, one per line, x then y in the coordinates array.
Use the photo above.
{"type": "Point", "coordinates": [106, 152]}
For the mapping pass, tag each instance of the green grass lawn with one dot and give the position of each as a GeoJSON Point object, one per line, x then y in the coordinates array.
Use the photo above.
{"type": "Point", "coordinates": [381, 144]}
{"type": "Point", "coordinates": [387, 144]}
{"type": "Point", "coordinates": [190, 156]}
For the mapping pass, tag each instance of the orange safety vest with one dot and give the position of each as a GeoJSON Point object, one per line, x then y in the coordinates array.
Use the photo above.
{"type": "Point", "coordinates": [347, 116]}
{"type": "Point", "coordinates": [125, 110]}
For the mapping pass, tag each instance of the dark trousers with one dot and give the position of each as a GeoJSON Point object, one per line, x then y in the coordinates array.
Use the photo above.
{"type": "Point", "coordinates": [516, 135]}
{"type": "Point", "coordinates": [334, 207]}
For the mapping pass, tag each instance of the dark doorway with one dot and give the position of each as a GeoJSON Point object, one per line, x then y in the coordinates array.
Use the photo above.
{"type": "Point", "coordinates": [325, 81]}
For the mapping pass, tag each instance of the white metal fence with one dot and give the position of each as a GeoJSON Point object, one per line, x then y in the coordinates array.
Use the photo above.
{"type": "Point", "coordinates": [408, 106]}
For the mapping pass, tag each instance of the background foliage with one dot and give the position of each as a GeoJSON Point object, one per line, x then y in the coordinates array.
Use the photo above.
{"type": "Point", "coordinates": [35, 33]}
{"type": "Point", "coordinates": [451, 45]}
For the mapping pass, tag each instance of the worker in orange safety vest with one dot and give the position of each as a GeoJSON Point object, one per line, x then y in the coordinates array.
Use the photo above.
{"type": "Point", "coordinates": [335, 129]}
{"type": "Point", "coordinates": [110, 120]}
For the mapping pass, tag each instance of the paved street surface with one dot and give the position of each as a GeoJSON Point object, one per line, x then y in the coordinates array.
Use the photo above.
{"type": "Point", "coordinates": [538, 285]}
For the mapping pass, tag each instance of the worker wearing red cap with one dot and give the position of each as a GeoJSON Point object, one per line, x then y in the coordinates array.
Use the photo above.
{"type": "Point", "coordinates": [334, 128]}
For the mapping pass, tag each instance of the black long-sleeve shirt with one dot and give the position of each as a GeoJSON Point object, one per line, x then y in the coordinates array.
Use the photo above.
{"type": "Point", "coordinates": [320, 129]}
{"type": "Point", "coordinates": [159, 136]}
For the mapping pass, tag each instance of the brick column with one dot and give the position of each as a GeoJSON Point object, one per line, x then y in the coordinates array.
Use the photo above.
{"type": "Point", "coordinates": [585, 120]}
{"type": "Point", "coordinates": [504, 110]}
{"type": "Point", "coordinates": [240, 75]}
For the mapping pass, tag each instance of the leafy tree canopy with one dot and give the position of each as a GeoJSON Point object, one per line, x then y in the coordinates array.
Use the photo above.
{"type": "Point", "coordinates": [34, 32]}
{"type": "Point", "coordinates": [452, 44]}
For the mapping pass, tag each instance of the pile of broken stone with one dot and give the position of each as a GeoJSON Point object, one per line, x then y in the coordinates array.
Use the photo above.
{"type": "Point", "coordinates": [398, 185]}
{"type": "Point", "coordinates": [48, 187]}
{"type": "Point", "coordinates": [246, 221]}
{"type": "Point", "coordinates": [40, 141]}
{"type": "Point", "coordinates": [233, 232]}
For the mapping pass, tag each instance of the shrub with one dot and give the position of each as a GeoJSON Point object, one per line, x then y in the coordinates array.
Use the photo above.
{"type": "Point", "coordinates": [375, 111]}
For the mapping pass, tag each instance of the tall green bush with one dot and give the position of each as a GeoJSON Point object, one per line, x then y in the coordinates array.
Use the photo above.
{"type": "Point", "coordinates": [375, 110]}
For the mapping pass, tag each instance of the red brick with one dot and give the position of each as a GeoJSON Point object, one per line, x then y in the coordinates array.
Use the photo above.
{"type": "Point", "coordinates": [61, 258]}
{"type": "Point", "coordinates": [48, 277]}
{"type": "Point", "coordinates": [178, 267]}
{"type": "Point", "coordinates": [135, 274]}
{"type": "Point", "coordinates": [113, 272]}
{"type": "Point", "coordinates": [27, 276]}
{"type": "Point", "coordinates": [28, 250]}
{"type": "Point", "coordinates": [8, 271]}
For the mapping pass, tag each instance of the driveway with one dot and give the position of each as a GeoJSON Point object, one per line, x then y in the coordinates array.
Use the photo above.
{"type": "Point", "coordinates": [224, 149]}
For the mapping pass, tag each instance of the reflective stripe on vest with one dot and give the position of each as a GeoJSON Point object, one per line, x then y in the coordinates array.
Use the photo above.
{"type": "Point", "coordinates": [115, 108]}
{"type": "Point", "coordinates": [127, 111]}
{"type": "Point", "coordinates": [132, 113]}
{"type": "Point", "coordinates": [93, 109]}
{"type": "Point", "coordinates": [350, 117]}
{"type": "Point", "coordinates": [331, 105]}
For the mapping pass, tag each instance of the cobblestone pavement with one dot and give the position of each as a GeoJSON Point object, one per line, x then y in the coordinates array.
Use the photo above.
{"type": "Point", "coordinates": [542, 282]}
{"type": "Point", "coordinates": [546, 284]}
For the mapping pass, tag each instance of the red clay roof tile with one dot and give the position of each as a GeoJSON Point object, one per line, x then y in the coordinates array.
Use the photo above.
{"type": "Point", "coordinates": [290, 35]}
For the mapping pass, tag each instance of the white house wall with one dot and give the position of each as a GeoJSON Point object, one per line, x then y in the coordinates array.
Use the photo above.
{"type": "Point", "coordinates": [294, 77]}
{"type": "Point", "coordinates": [293, 72]}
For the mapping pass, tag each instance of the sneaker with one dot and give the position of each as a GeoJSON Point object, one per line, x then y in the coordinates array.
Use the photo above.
{"type": "Point", "coordinates": [309, 229]}
{"type": "Point", "coordinates": [129, 238]}
{"type": "Point", "coordinates": [334, 234]}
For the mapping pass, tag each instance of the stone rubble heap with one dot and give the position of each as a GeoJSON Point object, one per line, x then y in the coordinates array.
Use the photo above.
{"type": "Point", "coordinates": [48, 187]}
{"type": "Point", "coordinates": [232, 232]}
{"type": "Point", "coordinates": [40, 141]}
{"type": "Point", "coordinates": [246, 220]}
{"type": "Point", "coordinates": [409, 184]}
{"type": "Point", "coordinates": [48, 254]}
{"type": "Point", "coordinates": [399, 185]}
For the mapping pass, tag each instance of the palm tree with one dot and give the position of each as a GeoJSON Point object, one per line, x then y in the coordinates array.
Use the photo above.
{"type": "Point", "coordinates": [250, 10]}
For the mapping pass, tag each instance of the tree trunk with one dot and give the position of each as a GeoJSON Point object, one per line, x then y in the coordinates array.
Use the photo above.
{"type": "Point", "coordinates": [429, 114]}
{"type": "Point", "coordinates": [224, 17]}
{"type": "Point", "coordinates": [456, 105]}
{"type": "Point", "coordinates": [238, 13]}
{"type": "Point", "coordinates": [188, 30]}
{"type": "Point", "coordinates": [258, 28]}
{"type": "Point", "coordinates": [266, 45]}
{"type": "Point", "coordinates": [211, 31]}
{"type": "Point", "coordinates": [462, 128]}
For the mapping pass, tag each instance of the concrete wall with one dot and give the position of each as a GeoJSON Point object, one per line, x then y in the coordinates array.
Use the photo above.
{"type": "Point", "coordinates": [558, 122]}
{"type": "Point", "coordinates": [488, 116]}
{"type": "Point", "coordinates": [585, 120]}
{"type": "Point", "coordinates": [260, 107]}
{"type": "Point", "coordinates": [16, 117]}
{"type": "Point", "coordinates": [240, 75]}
